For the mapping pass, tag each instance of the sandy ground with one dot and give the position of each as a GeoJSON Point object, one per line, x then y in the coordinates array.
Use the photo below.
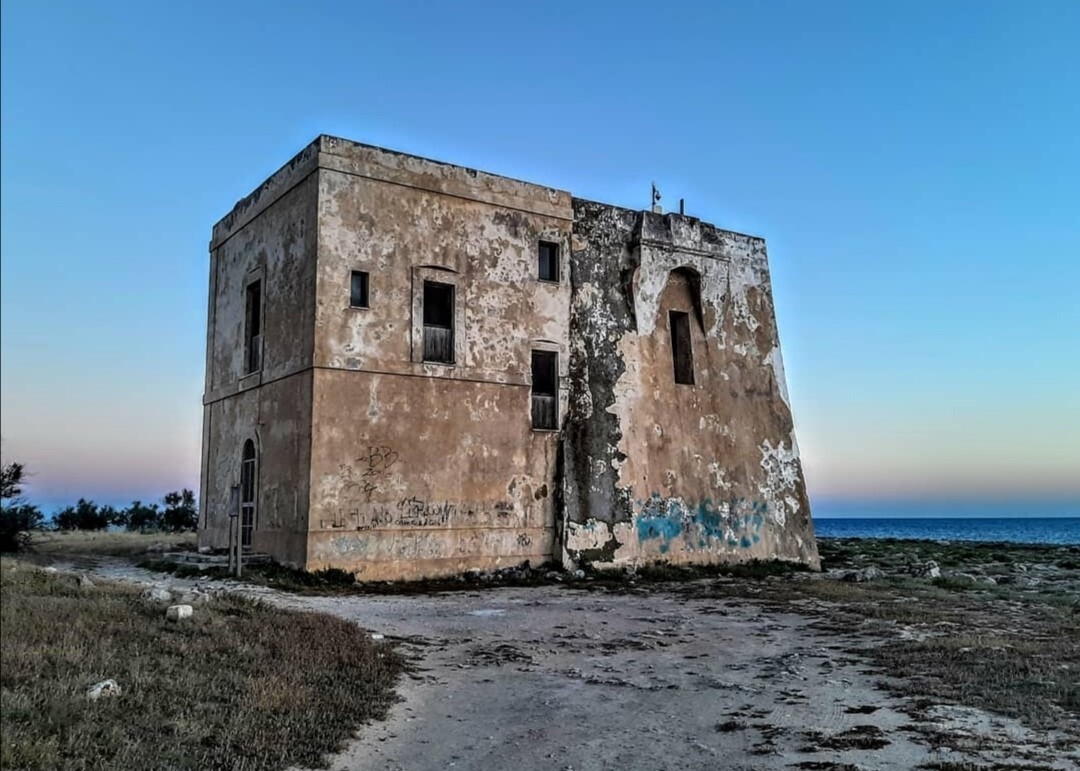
{"type": "Point", "coordinates": [552, 677]}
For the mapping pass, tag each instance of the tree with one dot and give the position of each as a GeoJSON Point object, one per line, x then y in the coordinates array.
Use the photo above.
{"type": "Point", "coordinates": [11, 478]}
{"type": "Point", "coordinates": [180, 511]}
{"type": "Point", "coordinates": [138, 517]}
{"type": "Point", "coordinates": [17, 518]}
{"type": "Point", "coordinates": [84, 515]}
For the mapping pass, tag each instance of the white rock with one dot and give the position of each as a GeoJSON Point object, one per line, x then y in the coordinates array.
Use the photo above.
{"type": "Point", "coordinates": [870, 573]}
{"type": "Point", "coordinates": [51, 569]}
{"type": "Point", "coordinates": [85, 583]}
{"type": "Point", "coordinates": [193, 597]}
{"type": "Point", "coordinates": [928, 569]}
{"type": "Point", "coordinates": [178, 612]}
{"type": "Point", "coordinates": [157, 594]}
{"type": "Point", "coordinates": [104, 688]}
{"type": "Point", "coordinates": [205, 550]}
{"type": "Point", "coordinates": [377, 636]}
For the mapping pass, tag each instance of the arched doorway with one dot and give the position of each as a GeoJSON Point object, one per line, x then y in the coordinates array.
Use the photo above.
{"type": "Point", "coordinates": [248, 472]}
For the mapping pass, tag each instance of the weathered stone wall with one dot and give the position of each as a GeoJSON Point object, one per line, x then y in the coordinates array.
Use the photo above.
{"type": "Point", "coordinates": [270, 236]}
{"type": "Point", "coordinates": [430, 476]}
{"type": "Point", "coordinates": [421, 469]}
{"type": "Point", "coordinates": [656, 470]}
{"type": "Point", "coordinates": [375, 461]}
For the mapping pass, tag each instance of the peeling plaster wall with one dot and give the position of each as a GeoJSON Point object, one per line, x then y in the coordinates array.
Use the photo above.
{"type": "Point", "coordinates": [422, 469]}
{"type": "Point", "coordinates": [427, 477]}
{"type": "Point", "coordinates": [655, 470]}
{"type": "Point", "coordinates": [377, 462]}
{"type": "Point", "coordinates": [269, 236]}
{"type": "Point", "coordinates": [278, 417]}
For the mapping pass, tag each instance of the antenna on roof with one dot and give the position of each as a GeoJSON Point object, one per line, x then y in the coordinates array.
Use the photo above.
{"type": "Point", "coordinates": [656, 200]}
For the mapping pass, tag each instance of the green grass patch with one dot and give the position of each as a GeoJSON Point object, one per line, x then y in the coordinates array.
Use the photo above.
{"type": "Point", "coordinates": [953, 583]}
{"type": "Point", "coordinates": [329, 581]}
{"type": "Point", "coordinates": [240, 685]}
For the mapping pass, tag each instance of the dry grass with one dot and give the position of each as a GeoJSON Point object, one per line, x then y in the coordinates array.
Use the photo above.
{"type": "Point", "coordinates": [121, 544]}
{"type": "Point", "coordinates": [1005, 648]}
{"type": "Point", "coordinates": [241, 685]}
{"type": "Point", "coordinates": [1032, 679]}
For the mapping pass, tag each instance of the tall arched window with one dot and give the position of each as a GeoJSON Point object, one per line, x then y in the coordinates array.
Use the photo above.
{"type": "Point", "coordinates": [248, 470]}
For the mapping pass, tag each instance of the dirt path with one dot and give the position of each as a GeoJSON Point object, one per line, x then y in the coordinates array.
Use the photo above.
{"type": "Point", "coordinates": [556, 678]}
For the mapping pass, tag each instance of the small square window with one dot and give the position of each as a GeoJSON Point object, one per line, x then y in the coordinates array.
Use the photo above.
{"type": "Point", "coordinates": [548, 261]}
{"type": "Point", "coordinates": [358, 291]}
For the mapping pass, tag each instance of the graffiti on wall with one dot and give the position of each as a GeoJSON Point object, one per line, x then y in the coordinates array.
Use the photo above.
{"type": "Point", "coordinates": [413, 512]}
{"type": "Point", "coordinates": [365, 474]}
{"type": "Point", "coordinates": [735, 523]}
{"type": "Point", "coordinates": [363, 550]}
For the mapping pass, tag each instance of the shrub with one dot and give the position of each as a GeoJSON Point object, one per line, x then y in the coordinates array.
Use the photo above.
{"type": "Point", "coordinates": [16, 524]}
{"type": "Point", "coordinates": [17, 519]}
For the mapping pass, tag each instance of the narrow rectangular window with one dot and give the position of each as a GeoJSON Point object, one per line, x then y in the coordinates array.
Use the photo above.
{"type": "Point", "coordinates": [253, 328]}
{"type": "Point", "coordinates": [682, 352]}
{"type": "Point", "coordinates": [438, 322]}
{"type": "Point", "coordinates": [358, 289]}
{"type": "Point", "coordinates": [548, 259]}
{"type": "Point", "coordinates": [545, 392]}
{"type": "Point", "coordinates": [247, 493]}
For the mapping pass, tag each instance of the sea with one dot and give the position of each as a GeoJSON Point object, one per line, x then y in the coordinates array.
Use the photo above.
{"type": "Point", "coordinates": [1048, 522]}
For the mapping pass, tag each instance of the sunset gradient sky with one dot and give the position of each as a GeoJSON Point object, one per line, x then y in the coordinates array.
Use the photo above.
{"type": "Point", "coordinates": [914, 167]}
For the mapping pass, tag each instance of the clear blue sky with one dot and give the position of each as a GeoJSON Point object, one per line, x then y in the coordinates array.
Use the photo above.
{"type": "Point", "coordinates": [914, 166]}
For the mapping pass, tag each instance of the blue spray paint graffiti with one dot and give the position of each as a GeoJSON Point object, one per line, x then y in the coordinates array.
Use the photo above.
{"type": "Point", "coordinates": [736, 522]}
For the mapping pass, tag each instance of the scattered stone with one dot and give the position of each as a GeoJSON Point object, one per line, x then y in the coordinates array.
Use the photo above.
{"type": "Point", "coordinates": [157, 594]}
{"type": "Point", "coordinates": [730, 725]}
{"type": "Point", "coordinates": [1024, 582]}
{"type": "Point", "coordinates": [104, 688]}
{"type": "Point", "coordinates": [178, 612]}
{"type": "Point", "coordinates": [928, 569]}
{"type": "Point", "coordinates": [193, 597]}
{"type": "Point", "coordinates": [860, 737]}
{"type": "Point", "coordinates": [866, 574]}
